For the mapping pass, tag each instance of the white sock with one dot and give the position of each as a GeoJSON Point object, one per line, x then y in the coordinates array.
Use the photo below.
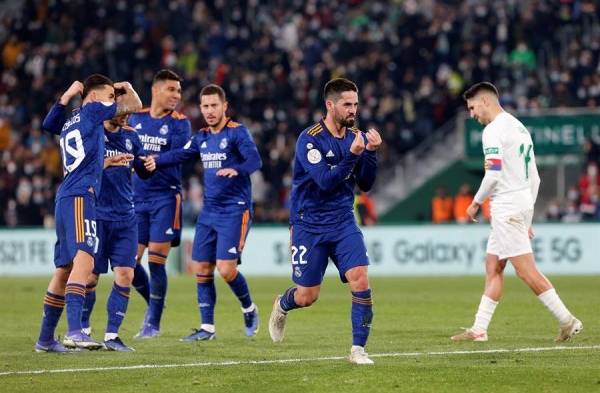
{"type": "Point", "coordinates": [110, 336]}
{"type": "Point", "coordinates": [207, 327]}
{"type": "Point", "coordinates": [486, 309]}
{"type": "Point", "coordinates": [556, 306]}
{"type": "Point", "coordinates": [251, 308]}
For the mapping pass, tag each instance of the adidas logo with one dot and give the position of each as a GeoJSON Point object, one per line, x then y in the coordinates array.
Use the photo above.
{"type": "Point", "coordinates": [203, 145]}
{"type": "Point", "coordinates": [169, 231]}
{"type": "Point", "coordinates": [232, 250]}
{"type": "Point", "coordinates": [138, 126]}
{"type": "Point", "coordinates": [329, 154]}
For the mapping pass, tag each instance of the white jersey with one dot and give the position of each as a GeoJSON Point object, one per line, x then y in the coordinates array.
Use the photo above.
{"type": "Point", "coordinates": [508, 148]}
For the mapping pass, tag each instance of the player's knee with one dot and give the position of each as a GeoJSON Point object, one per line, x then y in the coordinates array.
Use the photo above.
{"type": "Point", "coordinates": [92, 280]}
{"type": "Point", "coordinates": [305, 299]}
{"type": "Point", "coordinates": [124, 277]}
{"type": "Point", "coordinates": [227, 271]}
{"type": "Point", "coordinates": [204, 268]}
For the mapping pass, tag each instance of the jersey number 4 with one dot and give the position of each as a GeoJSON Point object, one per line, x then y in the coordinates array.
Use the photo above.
{"type": "Point", "coordinates": [526, 157]}
{"type": "Point", "coordinates": [76, 153]}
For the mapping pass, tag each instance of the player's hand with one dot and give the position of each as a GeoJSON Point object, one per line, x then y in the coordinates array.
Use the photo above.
{"type": "Point", "coordinates": [118, 160]}
{"type": "Point", "coordinates": [75, 89]}
{"type": "Point", "coordinates": [227, 172]}
{"type": "Point", "coordinates": [373, 140]}
{"type": "Point", "coordinates": [123, 85]}
{"type": "Point", "coordinates": [530, 233]}
{"type": "Point", "coordinates": [472, 211]}
{"type": "Point", "coordinates": [149, 163]}
{"type": "Point", "coordinates": [358, 144]}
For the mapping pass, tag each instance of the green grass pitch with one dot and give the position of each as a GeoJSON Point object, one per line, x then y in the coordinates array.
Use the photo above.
{"type": "Point", "coordinates": [412, 315]}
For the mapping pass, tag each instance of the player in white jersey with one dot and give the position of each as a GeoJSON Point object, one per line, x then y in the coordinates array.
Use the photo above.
{"type": "Point", "coordinates": [511, 181]}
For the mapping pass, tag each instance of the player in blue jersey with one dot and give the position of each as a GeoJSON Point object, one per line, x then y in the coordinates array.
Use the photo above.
{"type": "Point", "coordinates": [331, 158]}
{"type": "Point", "coordinates": [117, 227]}
{"type": "Point", "coordinates": [228, 156]}
{"type": "Point", "coordinates": [82, 146]}
{"type": "Point", "coordinates": [158, 199]}
{"type": "Point", "coordinates": [115, 219]}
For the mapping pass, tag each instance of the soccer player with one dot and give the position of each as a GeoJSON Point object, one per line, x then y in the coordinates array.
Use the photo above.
{"type": "Point", "coordinates": [82, 146]}
{"type": "Point", "coordinates": [511, 181]}
{"type": "Point", "coordinates": [158, 198]}
{"type": "Point", "coordinates": [229, 156]}
{"type": "Point", "coordinates": [117, 227]}
{"type": "Point", "coordinates": [115, 218]}
{"type": "Point", "coordinates": [332, 156]}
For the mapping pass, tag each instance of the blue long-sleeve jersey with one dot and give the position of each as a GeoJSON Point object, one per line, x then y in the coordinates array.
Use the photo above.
{"type": "Point", "coordinates": [81, 145]}
{"type": "Point", "coordinates": [231, 147]}
{"type": "Point", "coordinates": [159, 135]}
{"type": "Point", "coordinates": [325, 174]}
{"type": "Point", "coordinates": [115, 202]}
{"type": "Point", "coordinates": [115, 196]}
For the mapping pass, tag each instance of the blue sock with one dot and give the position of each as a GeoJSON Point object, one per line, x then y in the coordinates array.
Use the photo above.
{"type": "Point", "coordinates": [158, 288]}
{"type": "Point", "coordinates": [53, 308]}
{"type": "Point", "coordinates": [88, 305]}
{"type": "Point", "coordinates": [287, 301]}
{"type": "Point", "coordinates": [140, 282]}
{"type": "Point", "coordinates": [362, 316]}
{"type": "Point", "coordinates": [117, 307]}
{"type": "Point", "coordinates": [74, 298]}
{"type": "Point", "coordinates": [239, 286]}
{"type": "Point", "coordinates": [207, 298]}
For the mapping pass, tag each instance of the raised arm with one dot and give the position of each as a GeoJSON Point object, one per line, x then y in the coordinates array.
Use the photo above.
{"type": "Point", "coordinates": [128, 101]}
{"type": "Point", "coordinates": [311, 159]}
{"type": "Point", "coordinates": [55, 119]}
{"type": "Point", "coordinates": [366, 169]}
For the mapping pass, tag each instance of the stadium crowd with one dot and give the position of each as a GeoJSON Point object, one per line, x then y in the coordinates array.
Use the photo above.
{"type": "Point", "coordinates": [411, 59]}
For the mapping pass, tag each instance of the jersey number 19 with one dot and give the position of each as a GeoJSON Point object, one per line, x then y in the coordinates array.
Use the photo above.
{"type": "Point", "coordinates": [77, 153]}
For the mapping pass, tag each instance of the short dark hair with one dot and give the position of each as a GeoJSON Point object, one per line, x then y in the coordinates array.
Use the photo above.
{"type": "Point", "coordinates": [479, 87]}
{"type": "Point", "coordinates": [95, 82]}
{"type": "Point", "coordinates": [211, 89]}
{"type": "Point", "coordinates": [337, 86]}
{"type": "Point", "coordinates": [164, 75]}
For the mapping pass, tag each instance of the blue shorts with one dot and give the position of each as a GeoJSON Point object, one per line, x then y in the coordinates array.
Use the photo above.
{"type": "Point", "coordinates": [220, 236]}
{"type": "Point", "coordinates": [75, 228]}
{"type": "Point", "coordinates": [117, 245]}
{"type": "Point", "coordinates": [311, 252]}
{"type": "Point", "coordinates": [159, 221]}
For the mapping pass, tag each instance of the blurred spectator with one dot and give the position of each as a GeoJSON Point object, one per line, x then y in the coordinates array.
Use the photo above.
{"type": "Point", "coordinates": [410, 59]}
{"type": "Point", "coordinates": [591, 151]}
{"type": "Point", "coordinates": [364, 209]}
{"type": "Point", "coordinates": [554, 212]}
{"type": "Point", "coordinates": [461, 202]}
{"type": "Point", "coordinates": [441, 206]}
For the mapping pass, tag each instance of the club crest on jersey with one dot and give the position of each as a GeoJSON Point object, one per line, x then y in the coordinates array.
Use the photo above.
{"type": "Point", "coordinates": [297, 272]}
{"type": "Point", "coordinates": [128, 144]}
{"type": "Point", "coordinates": [223, 143]}
{"type": "Point", "coordinates": [309, 145]}
{"type": "Point", "coordinates": [164, 130]}
{"type": "Point", "coordinates": [90, 241]}
{"type": "Point", "coordinates": [313, 156]}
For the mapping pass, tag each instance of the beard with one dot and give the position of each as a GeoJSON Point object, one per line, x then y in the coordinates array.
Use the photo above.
{"type": "Point", "coordinates": [346, 122]}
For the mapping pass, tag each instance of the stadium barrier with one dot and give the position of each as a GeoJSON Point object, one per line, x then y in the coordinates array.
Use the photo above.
{"type": "Point", "coordinates": [394, 250]}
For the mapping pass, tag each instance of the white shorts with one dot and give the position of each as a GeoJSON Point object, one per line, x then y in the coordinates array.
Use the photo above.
{"type": "Point", "coordinates": [509, 236]}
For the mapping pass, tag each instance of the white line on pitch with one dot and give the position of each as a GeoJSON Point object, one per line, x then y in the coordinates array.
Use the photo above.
{"type": "Point", "coordinates": [293, 360]}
